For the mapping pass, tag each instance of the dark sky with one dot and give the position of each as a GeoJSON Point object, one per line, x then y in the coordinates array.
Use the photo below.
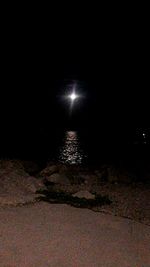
{"type": "Point", "coordinates": [114, 79]}
{"type": "Point", "coordinates": [108, 62]}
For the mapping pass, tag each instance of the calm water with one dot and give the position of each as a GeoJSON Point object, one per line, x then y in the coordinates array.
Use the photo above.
{"type": "Point", "coordinates": [76, 147]}
{"type": "Point", "coordinates": [89, 148]}
{"type": "Point", "coordinates": [70, 151]}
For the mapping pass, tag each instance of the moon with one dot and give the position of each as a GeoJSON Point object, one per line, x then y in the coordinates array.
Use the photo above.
{"type": "Point", "coordinates": [73, 96]}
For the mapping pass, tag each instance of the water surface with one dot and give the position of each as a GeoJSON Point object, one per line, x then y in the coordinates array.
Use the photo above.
{"type": "Point", "coordinates": [70, 151]}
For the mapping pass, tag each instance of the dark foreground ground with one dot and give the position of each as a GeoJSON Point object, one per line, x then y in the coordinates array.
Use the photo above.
{"type": "Point", "coordinates": [52, 235]}
{"type": "Point", "coordinates": [88, 227]}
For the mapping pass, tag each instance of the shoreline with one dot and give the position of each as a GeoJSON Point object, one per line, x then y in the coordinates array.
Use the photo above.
{"type": "Point", "coordinates": [130, 198]}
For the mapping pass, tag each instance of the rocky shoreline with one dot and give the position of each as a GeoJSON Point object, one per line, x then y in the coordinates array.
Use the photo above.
{"type": "Point", "coordinates": [22, 181]}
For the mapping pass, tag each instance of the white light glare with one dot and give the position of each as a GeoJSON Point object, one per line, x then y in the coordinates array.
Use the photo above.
{"type": "Point", "coordinates": [73, 96]}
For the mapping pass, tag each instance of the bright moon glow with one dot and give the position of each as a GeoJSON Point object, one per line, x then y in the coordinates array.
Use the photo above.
{"type": "Point", "coordinates": [73, 96]}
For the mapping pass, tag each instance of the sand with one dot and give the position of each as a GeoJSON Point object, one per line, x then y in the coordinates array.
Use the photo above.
{"type": "Point", "coordinates": [55, 235]}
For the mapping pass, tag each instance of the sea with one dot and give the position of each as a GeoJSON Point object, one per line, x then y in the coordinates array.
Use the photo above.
{"type": "Point", "coordinates": [77, 147]}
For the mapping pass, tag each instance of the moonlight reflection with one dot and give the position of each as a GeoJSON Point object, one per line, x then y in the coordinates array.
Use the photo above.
{"type": "Point", "coordinates": [70, 152]}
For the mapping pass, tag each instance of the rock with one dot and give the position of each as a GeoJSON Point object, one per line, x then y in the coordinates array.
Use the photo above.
{"type": "Point", "coordinates": [61, 174]}
{"type": "Point", "coordinates": [7, 166]}
{"type": "Point", "coordinates": [63, 169]}
{"type": "Point", "coordinates": [89, 179]}
{"type": "Point", "coordinates": [116, 175]}
{"type": "Point", "coordinates": [49, 170]}
{"type": "Point", "coordinates": [101, 175]}
{"type": "Point", "coordinates": [17, 186]}
{"type": "Point", "coordinates": [58, 179]}
{"type": "Point", "coordinates": [30, 167]}
{"type": "Point", "coordinates": [84, 194]}
{"type": "Point", "coordinates": [98, 174]}
{"type": "Point", "coordinates": [19, 166]}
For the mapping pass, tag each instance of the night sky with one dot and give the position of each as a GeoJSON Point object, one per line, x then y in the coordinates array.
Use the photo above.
{"type": "Point", "coordinates": [109, 64]}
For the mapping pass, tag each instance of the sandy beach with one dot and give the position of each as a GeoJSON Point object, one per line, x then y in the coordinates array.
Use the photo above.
{"type": "Point", "coordinates": [52, 235]}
